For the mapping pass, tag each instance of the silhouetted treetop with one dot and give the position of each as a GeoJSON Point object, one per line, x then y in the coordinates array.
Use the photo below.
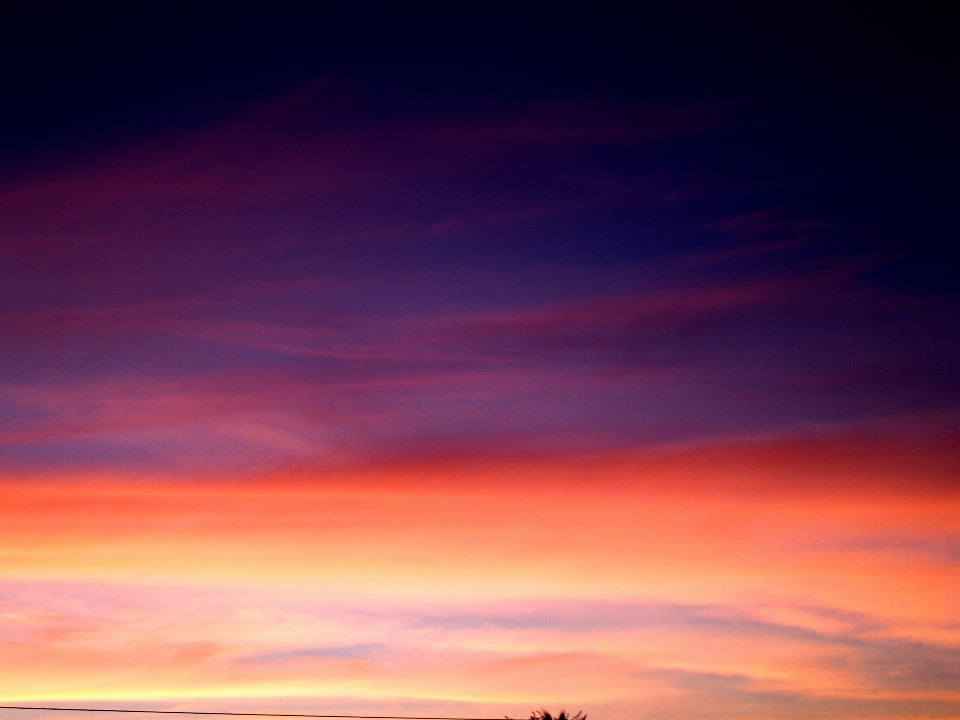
{"type": "Point", "coordinates": [544, 715]}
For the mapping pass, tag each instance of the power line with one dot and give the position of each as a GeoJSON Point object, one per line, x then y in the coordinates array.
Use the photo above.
{"type": "Point", "coordinates": [237, 714]}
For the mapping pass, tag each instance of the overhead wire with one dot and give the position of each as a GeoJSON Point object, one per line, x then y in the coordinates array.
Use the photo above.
{"type": "Point", "coordinates": [51, 708]}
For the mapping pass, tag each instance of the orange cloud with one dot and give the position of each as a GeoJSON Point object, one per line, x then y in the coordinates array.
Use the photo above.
{"type": "Point", "coordinates": [792, 570]}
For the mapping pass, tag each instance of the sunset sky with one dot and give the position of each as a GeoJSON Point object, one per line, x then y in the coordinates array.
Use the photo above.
{"type": "Point", "coordinates": [430, 360]}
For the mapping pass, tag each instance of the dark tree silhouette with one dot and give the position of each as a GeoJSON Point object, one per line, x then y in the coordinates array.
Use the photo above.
{"type": "Point", "coordinates": [544, 715]}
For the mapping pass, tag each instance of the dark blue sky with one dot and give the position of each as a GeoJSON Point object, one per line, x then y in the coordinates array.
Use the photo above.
{"type": "Point", "coordinates": [247, 236]}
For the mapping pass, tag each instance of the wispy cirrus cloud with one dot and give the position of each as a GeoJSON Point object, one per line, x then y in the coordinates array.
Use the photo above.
{"type": "Point", "coordinates": [285, 381]}
{"type": "Point", "coordinates": [543, 647]}
{"type": "Point", "coordinates": [294, 282]}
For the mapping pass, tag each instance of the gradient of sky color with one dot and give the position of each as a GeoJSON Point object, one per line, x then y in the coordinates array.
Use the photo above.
{"type": "Point", "coordinates": [481, 377]}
